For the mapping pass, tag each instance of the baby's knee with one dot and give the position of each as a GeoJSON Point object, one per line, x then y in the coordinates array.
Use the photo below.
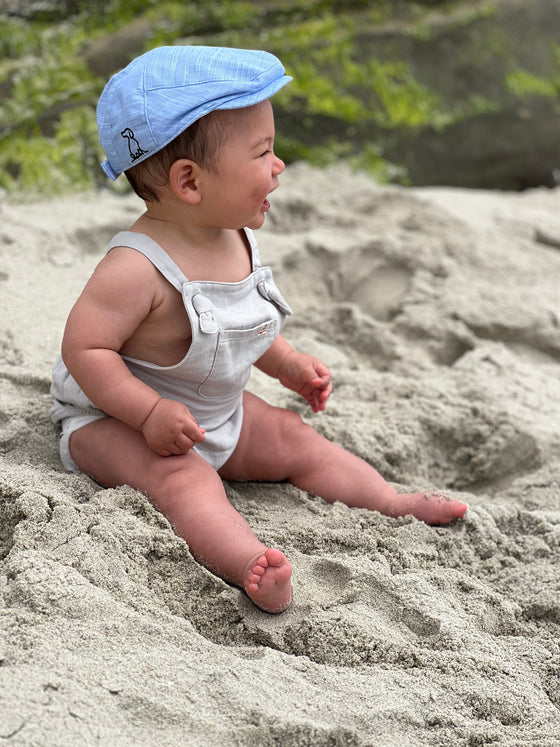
{"type": "Point", "coordinates": [180, 475]}
{"type": "Point", "coordinates": [295, 428]}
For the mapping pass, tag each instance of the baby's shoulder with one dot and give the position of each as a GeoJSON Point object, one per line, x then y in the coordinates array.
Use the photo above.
{"type": "Point", "coordinates": [126, 259]}
{"type": "Point", "coordinates": [127, 274]}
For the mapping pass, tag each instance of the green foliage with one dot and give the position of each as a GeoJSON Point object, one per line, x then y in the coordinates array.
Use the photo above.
{"type": "Point", "coordinates": [290, 149]}
{"type": "Point", "coordinates": [403, 100]}
{"type": "Point", "coordinates": [420, 29]}
{"type": "Point", "coordinates": [523, 83]}
{"type": "Point", "coordinates": [332, 82]}
{"type": "Point", "coordinates": [51, 165]}
{"type": "Point", "coordinates": [46, 127]}
{"type": "Point", "coordinates": [173, 18]}
{"type": "Point", "coordinates": [324, 76]}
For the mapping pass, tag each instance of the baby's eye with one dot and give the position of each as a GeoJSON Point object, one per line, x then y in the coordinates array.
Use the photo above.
{"type": "Point", "coordinates": [266, 152]}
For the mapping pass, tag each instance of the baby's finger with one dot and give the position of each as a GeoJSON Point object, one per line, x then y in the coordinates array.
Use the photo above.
{"type": "Point", "coordinates": [322, 393]}
{"type": "Point", "coordinates": [321, 382]}
{"type": "Point", "coordinates": [182, 444]}
{"type": "Point", "coordinates": [317, 404]}
{"type": "Point", "coordinates": [326, 387]}
{"type": "Point", "coordinates": [193, 432]}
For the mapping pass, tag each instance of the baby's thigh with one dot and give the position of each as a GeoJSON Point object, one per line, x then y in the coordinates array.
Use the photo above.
{"type": "Point", "coordinates": [114, 454]}
{"type": "Point", "coordinates": [272, 441]}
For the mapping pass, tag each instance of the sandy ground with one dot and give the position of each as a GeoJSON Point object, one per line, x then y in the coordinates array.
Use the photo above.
{"type": "Point", "coordinates": [438, 311]}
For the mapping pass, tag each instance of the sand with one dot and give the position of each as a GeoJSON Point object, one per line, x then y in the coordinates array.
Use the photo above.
{"type": "Point", "coordinates": [438, 311]}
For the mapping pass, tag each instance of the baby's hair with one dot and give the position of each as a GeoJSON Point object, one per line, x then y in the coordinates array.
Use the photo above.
{"type": "Point", "coordinates": [200, 142]}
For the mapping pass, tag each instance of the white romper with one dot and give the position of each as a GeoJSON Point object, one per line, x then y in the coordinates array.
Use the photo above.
{"type": "Point", "coordinates": [233, 325]}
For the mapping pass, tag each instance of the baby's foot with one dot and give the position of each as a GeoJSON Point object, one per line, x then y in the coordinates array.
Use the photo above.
{"type": "Point", "coordinates": [268, 581]}
{"type": "Point", "coordinates": [429, 507]}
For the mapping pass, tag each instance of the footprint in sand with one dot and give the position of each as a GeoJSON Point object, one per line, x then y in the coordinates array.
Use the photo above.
{"type": "Point", "coordinates": [10, 516]}
{"type": "Point", "coordinates": [330, 581]}
{"type": "Point", "coordinates": [484, 452]}
{"type": "Point", "coordinates": [365, 277]}
{"type": "Point", "coordinates": [381, 292]}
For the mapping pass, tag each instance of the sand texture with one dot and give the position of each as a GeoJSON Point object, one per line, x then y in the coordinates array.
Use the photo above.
{"type": "Point", "coordinates": [438, 311]}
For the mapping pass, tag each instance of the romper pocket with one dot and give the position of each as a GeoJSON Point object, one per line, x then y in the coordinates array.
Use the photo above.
{"type": "Point", "coordinates": [235, 353]}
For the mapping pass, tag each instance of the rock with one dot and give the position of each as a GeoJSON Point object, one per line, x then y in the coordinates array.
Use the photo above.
{"type": "Point", "coordinates": [512, 141]}
{"type": "Point", "coordinates": [462, 98]}
{"type": "Point", "coordinates": [114, 51]}
{"type": "Point", "coordinates": [514, 148]}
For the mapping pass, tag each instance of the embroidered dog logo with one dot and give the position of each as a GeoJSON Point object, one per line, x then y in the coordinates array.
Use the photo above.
{"type": "Point", "coordinates": [133, 145]}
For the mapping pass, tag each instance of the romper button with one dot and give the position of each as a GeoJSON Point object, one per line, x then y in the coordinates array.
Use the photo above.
{"type": "Point", "coordinates": [204, 308]}
{"type": "Point", "coordinates": [269, 292]}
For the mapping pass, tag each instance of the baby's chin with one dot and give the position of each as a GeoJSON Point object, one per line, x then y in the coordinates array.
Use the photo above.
{"type": "Point", "coordinates": [256, 223]}
{"type": "Point", "coordinates": [260, 217]}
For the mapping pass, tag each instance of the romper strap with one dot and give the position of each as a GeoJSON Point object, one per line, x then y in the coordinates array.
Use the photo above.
{"type": "Point", "coordinates": [154, 252]}
{"type": "Point", "coordinates": [255, 258]}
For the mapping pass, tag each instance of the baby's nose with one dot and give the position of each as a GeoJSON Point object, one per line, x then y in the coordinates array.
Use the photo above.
{"type": "Point", "coordinates": [278, 166]}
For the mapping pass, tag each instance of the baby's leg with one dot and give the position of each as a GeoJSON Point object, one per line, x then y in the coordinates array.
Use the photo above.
{"type": "Point", "coordinates": [276, 445]}
{"type": "Point", "coordinates": [191, 494]}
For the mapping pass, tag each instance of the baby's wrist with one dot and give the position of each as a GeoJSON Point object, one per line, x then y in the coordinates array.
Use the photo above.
{"type": "Point", "coordinates": [284, 359]}
{"type": "Point", "coordinates": [150, 412]}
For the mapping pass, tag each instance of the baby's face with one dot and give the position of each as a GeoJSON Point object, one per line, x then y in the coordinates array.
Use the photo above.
{"type": "Point", "coordinates": [247, 168]}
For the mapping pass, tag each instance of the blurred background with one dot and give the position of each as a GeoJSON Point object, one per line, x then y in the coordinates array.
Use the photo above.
{"type": "Point", "coordinates": [415, 93]}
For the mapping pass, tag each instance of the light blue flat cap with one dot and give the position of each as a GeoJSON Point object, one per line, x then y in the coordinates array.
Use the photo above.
{"type": "Point", "coordinates": [159, 94]}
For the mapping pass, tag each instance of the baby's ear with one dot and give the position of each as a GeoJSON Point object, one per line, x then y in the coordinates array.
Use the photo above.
{"type": "Point", "coordinates": [184, 180]}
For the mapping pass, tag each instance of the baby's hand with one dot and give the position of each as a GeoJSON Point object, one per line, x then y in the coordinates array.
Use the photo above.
{"type": "Point", "coordinates": [171, 429]}
{"type": "Point", "coordinates": [309, 377]}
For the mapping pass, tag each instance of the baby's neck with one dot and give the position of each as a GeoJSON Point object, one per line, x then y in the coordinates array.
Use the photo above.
{"type": "Point", "coordinates": [175, 230]}
{"type": "Point", "coordinates": [202, 253]}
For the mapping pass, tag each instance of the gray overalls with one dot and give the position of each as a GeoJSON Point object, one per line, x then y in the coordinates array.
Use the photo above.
{"type": "Point", "coordinates": [233, 325]}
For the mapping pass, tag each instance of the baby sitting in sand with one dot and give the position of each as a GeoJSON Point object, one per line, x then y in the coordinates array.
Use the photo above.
{"type": "Point", "coordinates": [150, 387]}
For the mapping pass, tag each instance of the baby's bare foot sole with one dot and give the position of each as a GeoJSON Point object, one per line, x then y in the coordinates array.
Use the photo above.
{"type": "Point", "coordinates": [268, 581]}
{"type": "Point", "coordinates": [429, 507]}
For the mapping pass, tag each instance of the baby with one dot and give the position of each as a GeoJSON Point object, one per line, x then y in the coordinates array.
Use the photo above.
{"type": "Point", "coordinates": [150, 387]}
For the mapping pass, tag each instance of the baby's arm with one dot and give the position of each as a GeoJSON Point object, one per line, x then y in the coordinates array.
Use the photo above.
{"type": "Point", "coordinates": [299, 372]}
{"type": "Point", "coordinates": [117, 299]}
